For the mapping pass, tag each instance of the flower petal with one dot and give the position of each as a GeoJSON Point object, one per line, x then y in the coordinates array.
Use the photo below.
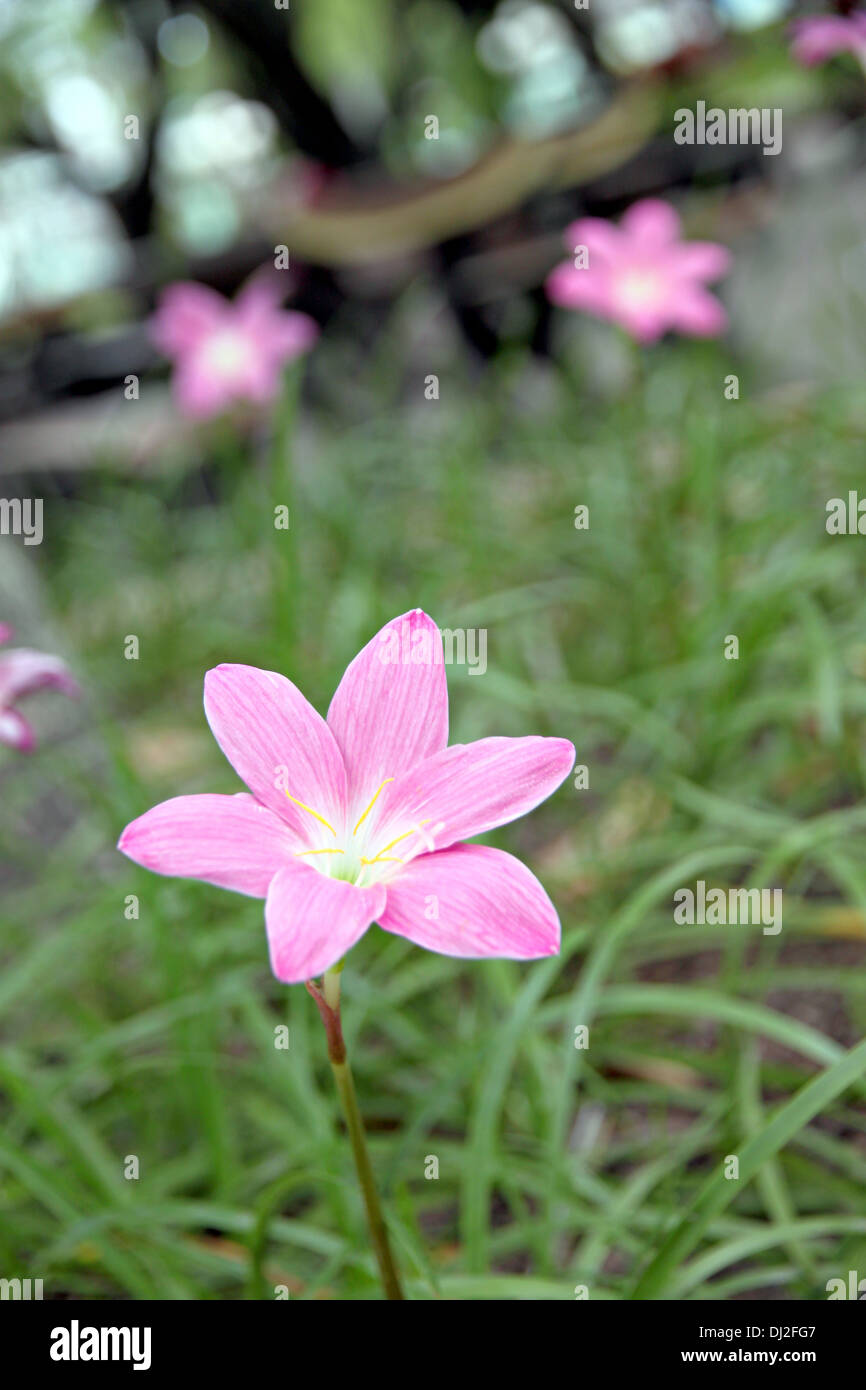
{"type": "Point", "coordinates": [603, 240]}
{"type": "Point", "coordinates": [186, 314]}
{"type": "Point", "coordinates": [230, 841]}
{"type": "Point", "coordinates": [22, 672]}
{"type": "Point", "coordinates": [16, 732]}
{"type": "Point", "coordinates": [200, 393]}
{"type": "Point", "coordinates": [291, 333]}
{"type": "Point", "coordinates": [651, 222]}
{"type": "Point", "coordinates": [472, 901]}
{"type": "Point", "coordinates": [586, 289]}
{"type": "Point", "coordinates": [313, 920]}
{"type": "Point", "coordinates": [472, 787]}
{"type": "Point", "coordinates": [698, 313]}
{"type": "Point", "coordinates": [645, 322]}
{"type": "Point", "coordinates": [274, 332]}
{"type": "Point", "coordinates": [390, 710]}
{"type": "Point", "coordinates": [819, 37]}
{"type": "Point", "coordinates": [701, 260]}
{"type": "Point", "coordinates": [259, 378]}
{"type": "Point", "coordinates": [260, 297]}
{"type": "Point", "coordinates": [278, 744]}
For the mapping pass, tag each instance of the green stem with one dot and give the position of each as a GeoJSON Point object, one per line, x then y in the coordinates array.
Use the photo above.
{"type": "Point", "coordinates": [328, 1001]}
{"type": "Point", "coordinates": [286, 587]}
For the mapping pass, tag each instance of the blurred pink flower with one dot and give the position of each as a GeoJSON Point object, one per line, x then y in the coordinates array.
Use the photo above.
{"type": "Point", "coordinates": [359, 818]}
{"type": "Point", "coordinates": [641, 275]}
{"type": "Point", "coordinates": [22, 673]}
{"type": "Point", "coordinates": [228, 350]}
{"type": "Point", "coordinates": [816, 38]}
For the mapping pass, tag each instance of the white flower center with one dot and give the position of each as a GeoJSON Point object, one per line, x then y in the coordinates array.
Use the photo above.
{"type": "Point", "coordinates": [360, 855]}
{"type": "Point", "coordinates": [637, 289]}
{"type": "Point", "coordinates": [225, 353]}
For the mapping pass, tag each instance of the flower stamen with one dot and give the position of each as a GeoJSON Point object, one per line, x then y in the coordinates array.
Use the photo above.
{"type": "Point", "coordinates": [406, 833]}
{"type": "Point", "coordinates": [326, 823]}
{"type": "Point", "coordinates": [299, 853]}
{"type": "Point", "coordinates": [372, 804]}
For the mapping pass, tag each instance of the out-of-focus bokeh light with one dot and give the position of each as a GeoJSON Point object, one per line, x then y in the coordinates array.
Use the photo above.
{"type": "Point", "coordinates": [60, 242]}
{"type": "Point", "coordinates": [78, 79]}
{"type": "Point", "coordinates": [631, 35]}
{"type": "Point", "coordinates": [183, 40]}
{"type": "Point", "coordinates": [462, 133]}
{"type": "Point", "coordinates": [535, 47]}
{"type": "Point", "coordinates": [752, 14]}
{"type": "Point", "coordinates": [87, 120]}
{"type": "Point", "coordinates": [211, 151]}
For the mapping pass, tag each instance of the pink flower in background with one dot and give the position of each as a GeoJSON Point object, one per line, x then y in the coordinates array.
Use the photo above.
{"type": "Point", "coordinates": [22, 673]}
{"type": "Point", "coordinates": [819, 37]}
{"type": "Point", "coordinates": [360, 818]}
{"type": "Point", "coordinates": [641, 275]}
{"type": "Point", "coordinates": [228, 350]}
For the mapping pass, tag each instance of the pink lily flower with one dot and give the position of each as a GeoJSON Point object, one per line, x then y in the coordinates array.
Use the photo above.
{"type": "Point", "coordinates": [22, 673]}
{"type": "Point", "coordinates": [641, 275]}
{"type": "Point", "coordinates": [228, 350]}
{"type": "Point", "coordinates": [817, 38]}
{"type": "Point", "coordinates": [361, 818]}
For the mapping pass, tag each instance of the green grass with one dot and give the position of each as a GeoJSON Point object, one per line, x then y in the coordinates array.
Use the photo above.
{"type": "Point", "coordinates": [558, 1167]}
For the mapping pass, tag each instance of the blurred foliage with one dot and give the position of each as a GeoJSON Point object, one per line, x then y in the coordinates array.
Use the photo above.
{"type": "Point", "coordinates": [557, 1166]}
{"type": "Point", "coordinates": [155, 1036]}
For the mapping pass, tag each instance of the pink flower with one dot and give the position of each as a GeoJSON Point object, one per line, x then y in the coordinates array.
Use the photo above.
{"type": "Point", "coordinates": [819, 37]}
{"type": "Point", "coordinates": [360, 818]}
{"type": "Point", "coordinates": [641, 275]}
{"type": "Point", "coordinates": [228, 350]}
{"type": "Point", "coordinates": [23, 672]}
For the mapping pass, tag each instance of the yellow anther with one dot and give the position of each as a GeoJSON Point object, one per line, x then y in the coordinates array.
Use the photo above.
{"type": "Point", "coordinates": [384, 859]}
{"type": "Point", "coordinates": [372, 804]}
{"type": "Point", "coordinates": [304, 807]}
{"type": "Point", "coordinates": [299, 853]}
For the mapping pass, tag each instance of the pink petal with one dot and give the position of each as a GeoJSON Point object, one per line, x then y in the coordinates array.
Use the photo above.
{"type": "Point", "coordinates": [701, 260]}
{"type": "Point", "coordinates": [7, 631]}
{"type": "Point", "coordinates": [651, 222]}
{"type": "Point", "coordinates": [290, 334]}
{"type": "Point", "coordinates": [259, 378]}
{"type": "Point", "coordinates": [200, 393]}
{"type": "Point", "coordinates": [819, 37]}
{"type": "Point", "coordinates": [277, 742]}
{"type": "Point", "coordinates": [390, 710]}
{"type": "Point", "coordinates": [260, 298]}
{"type": "Point", "coordinates": [472, 787]}
{"type": "Point", "coordinates": [603, 240]}
{"type": "Point", "coordinates": [646, 323]}
{"type": "Point", "coordinates": [187, 313]}
{"type": "Point", "coordinates": [22, 672]}
{"type": "Point", "coordinates": [698, 313]}
{"type": "Point", "coordinates": [283, 333]}
{"type": "Point", "coordinates": [472, 901]}
{"type": "Point", "coordinates": [15, 731]}
{"type": "Point", "coordinates": [586, 289]}
{"type": "Point", "coordinates": [230, 841]}
{"type": "Point", "coordinates": [313, 920]}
